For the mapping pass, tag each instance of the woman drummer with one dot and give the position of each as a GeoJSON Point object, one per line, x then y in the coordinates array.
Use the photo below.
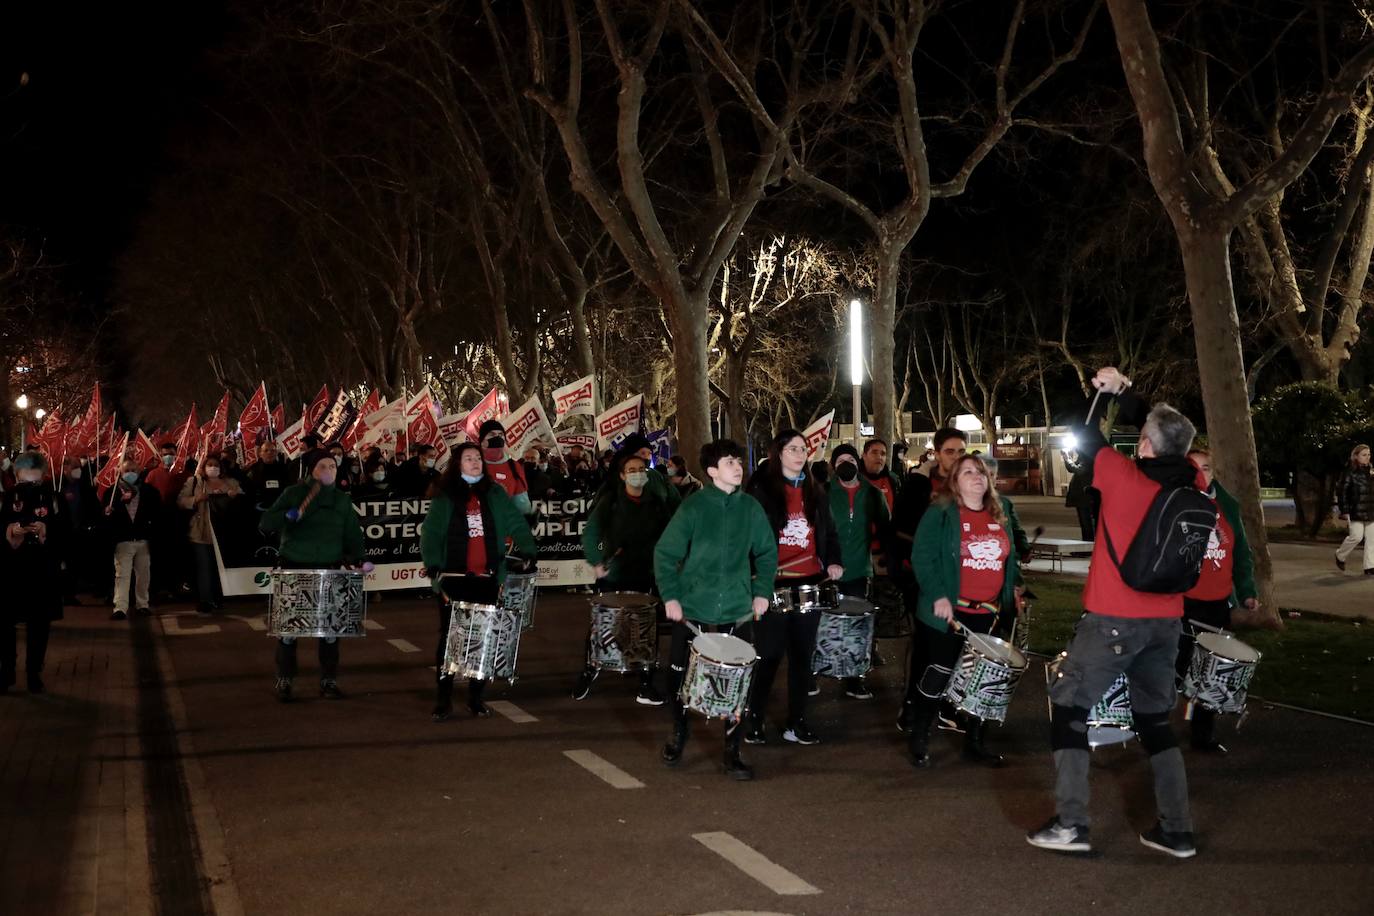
{"type": "Point", "coordinates": [808, 553]}
{"type": "Point", "coordinates": [619, 542]}
{"type": "Point", "coordinates": [464, 539]}
{"type": "Point", "coordinates": [319, 530]}
{"type": "Point", "coordinates": [967, 569]}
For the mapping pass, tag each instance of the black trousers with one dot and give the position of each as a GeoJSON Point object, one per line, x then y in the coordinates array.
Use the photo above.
{"type": "Point", "coordinates": [472, 590]}
{"type": "Point", "coordinates": [784, 634]}
{"type": "Point", "coordinates": [934, 656]}
{"type": "Point", "coordinates": [1213, 614]}
{"type": "Point", "coordinates": [287, 665]}
{"type": "Point", "coordinates": [678, 651]}
{"type": "Point", "coordinates": [35, 648]}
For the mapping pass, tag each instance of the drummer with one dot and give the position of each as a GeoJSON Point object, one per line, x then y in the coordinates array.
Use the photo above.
{"type": "Point", "coordinates": [618, 542]}
{"type": "Point", "coordinates": [860, 513]}
{"type": "Point", "coordinates": [467, 547]}
{"type": "Point", "coordinates": [966, 568]}
{"type": "Point", "coordinates": [808, 552]}
{"type": "Point", "coordinates": [1228, 577]}
{"type": "Point", "coordinates": [702, 567]}
{"type": "Point", "coordinates": [319, 530]}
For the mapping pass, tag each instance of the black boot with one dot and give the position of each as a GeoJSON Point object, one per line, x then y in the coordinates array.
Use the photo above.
{"type": "Point", "coordinates": [443, 699]}
{"type": "Point", "coordinates": [1204, 732]}
{"type": "Point", "coordinates": [475, 705]}
{"type": "Point", "coordinates": [974, 750]}
{"type": "Point", "coordinates": [734, 767]}
{"type": "Point", "coordinates": [922, 717]}
{"type": "Point", "coordinates": [672, 751]}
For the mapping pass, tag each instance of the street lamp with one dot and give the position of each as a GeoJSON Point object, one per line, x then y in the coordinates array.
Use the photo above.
{"type": "Point", "coordinates": [22, 402]}
{"type": "Point", "coordinates": [39, 414]}
{"type": "Point", "coordinates": [856, 360]}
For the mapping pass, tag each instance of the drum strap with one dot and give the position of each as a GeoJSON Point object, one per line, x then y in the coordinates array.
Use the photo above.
{"type": "Point", "coordinates": [977, 607]}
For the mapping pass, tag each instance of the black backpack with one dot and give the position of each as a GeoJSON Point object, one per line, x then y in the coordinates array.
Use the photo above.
{"type": "Point", "coordinates": [1165, 557]}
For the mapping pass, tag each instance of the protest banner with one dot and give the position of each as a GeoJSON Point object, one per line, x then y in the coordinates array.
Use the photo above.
{"type": "Point", "coordinates": [817, 435]}
{"type": "Point", "coordinates": [620, 421]}
{"type": "Point", "coordinates": [576, 398]}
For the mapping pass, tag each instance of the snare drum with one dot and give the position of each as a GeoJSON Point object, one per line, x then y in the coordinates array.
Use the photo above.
{"type": "Point", "coordinates": [517, 594]}
{"type": "Point", "coordinates": [803, 599]}
{"type": "Point", "coordinates": [624, 635]}
{"type": "Point", "coordinates": [716, 683]}
{"type": "Point", "coordinates": [483, 642]}
{"type": "Point", "coordinates": [1219, 672]}
{"type": "Point", "coordinates": [844, 639]}
{"type": "Point", "coordinates": [317, 602]}
{"type": "Point", "coordinates": [1110, 720]}
{"type": "Point", "coordinates": [985, 677]}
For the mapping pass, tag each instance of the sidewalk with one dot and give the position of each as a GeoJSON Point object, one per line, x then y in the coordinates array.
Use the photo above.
{"type": "Point", "coordinates": [1305, 575]}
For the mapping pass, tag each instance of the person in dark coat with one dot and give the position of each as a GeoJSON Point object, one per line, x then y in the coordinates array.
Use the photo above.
{"type": "Point", "coordinates": [35, 532]}
{"type": "Point", "coordinates": [84, 517]}
{"type": "Point", "coordinates": [1081, 496]}
{"type": "Point", "coordinates": [131, 517]}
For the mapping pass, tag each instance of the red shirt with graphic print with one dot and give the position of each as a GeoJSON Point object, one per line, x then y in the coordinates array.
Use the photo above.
{"type": "Point", "coordinates": [509, 475]}
{"type": "Point", "coordinates": [477, 538]}
{"type": "Point", "coordinates": [983, 551]}
{"type": "Point", "coordinates": [797, 542]}
{"type": "Point", "coordinates": [1215, 582]}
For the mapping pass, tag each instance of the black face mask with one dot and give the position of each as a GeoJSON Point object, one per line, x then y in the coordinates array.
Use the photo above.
{"type": "Point", "coordinates": [847, 471]}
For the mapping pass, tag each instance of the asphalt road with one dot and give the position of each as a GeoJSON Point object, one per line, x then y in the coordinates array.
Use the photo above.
{"type": "Point", "coordinates": [364, 805]}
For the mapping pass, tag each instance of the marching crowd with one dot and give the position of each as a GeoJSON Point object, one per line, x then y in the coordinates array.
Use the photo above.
{"type": "Point", "coordinates": [725, 554]}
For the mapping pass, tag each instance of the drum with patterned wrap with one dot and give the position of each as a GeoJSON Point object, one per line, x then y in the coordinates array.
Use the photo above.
{"type": "Point", "coordinates": [317, 602]}
{"type": "Point", "coordinates": [624, 634]}
{"type": "Point", "coordinates": [1219, 673]}
{"type": "Point", "coordinates": [483, 642]}
{"type": "Point", "coordinates": [985, 677]}
{"type": "Point", "coordinates": [716, 683]}
{"type": "Point", "coordinates": [517, 594]}
{"type": "Point", "coordinates": [844, 639]}
{"type": "Point", "coordinates": [1110, 720]}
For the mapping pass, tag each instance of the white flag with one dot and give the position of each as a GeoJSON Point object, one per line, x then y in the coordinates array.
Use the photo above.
{"type": "Point", "coordinates": [382, 426]}
{"type": "Point", "coordinates": [451, 429]}
{"type": "Point", "coordinates": [577, 398]}
{"type": "Point", "coordinates": [817, 435]}
{"type": "Point", "coordinates": [620, 421]}
{"type": "Point", "coordinates": [290, 440]}
{"type": "Point", "coordinates": [524, 425]}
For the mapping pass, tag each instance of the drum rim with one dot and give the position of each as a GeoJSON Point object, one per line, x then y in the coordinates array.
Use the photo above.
{"type": "Point", "coordinates": [714, 637]}
{"type": "Point", "coordinates": [471, 605]}
{"type": "Point", "coordinates": [275, 573]}
{"type": "Point", "coordinates": [972, 642]}
{"type": "Point", "coordinates": [1225, 639]}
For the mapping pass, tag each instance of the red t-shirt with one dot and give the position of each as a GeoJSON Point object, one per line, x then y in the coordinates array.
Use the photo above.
{"type": "Point", "coordinates": [477, 538]}
{"type": "Point", "coordinates": [983, 551]}
{"type": "Point", "coordinates": [1215, 582]}
{"type": "Point", "coordinates": [509, 475]}
{"type": "Point", "coordinates": [884, 484]}
{"type": "Point", "coordinates": [797, 542]}
{"type": "Point", "coordinates": [1126, 497]}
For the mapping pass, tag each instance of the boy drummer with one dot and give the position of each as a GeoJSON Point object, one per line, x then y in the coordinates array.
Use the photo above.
{"type": "Point", "coordinates": [702, 566]}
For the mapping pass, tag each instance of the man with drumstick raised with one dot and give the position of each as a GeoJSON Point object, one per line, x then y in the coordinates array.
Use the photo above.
{"type": "Point", "coordinates": [702, 565]}
{"type": "Point", "coordinates": [319, 530]}
{"type": "Point", "coordinates": [1125, 628]}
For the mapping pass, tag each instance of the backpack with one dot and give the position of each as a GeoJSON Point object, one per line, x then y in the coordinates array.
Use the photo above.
{"type": "Point", "coordinates": [1165, 557]}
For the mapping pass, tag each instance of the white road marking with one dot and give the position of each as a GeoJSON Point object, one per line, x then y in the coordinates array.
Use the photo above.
{"type": "Point", "coordinates": [511, 711]}
{"type": "Point", "coordinates": [171, 626]}
{"type": "Point", "coordinates": [370, 624]}
{"type": "Point", "coordinates": [603, 769]}
{"type": "Point", "coordinates": [771, 875]}
{"type": "Point", "coordinates": [404, 645]}
{"type": "Point", "coordinates": [256, 624]}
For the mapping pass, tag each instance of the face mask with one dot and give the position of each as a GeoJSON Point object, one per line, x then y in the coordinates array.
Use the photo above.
{"type": "Point", "coordinates": [167, 460]}
{"type": "Point", "coordinates": [672, 471]}
{"type": "Point", "coordinates": [379, 476]}
{"type": "Point", "coordinates": [212, 473]}
{"type": "Point", "coordinates": [543, 466]}
{"type": "Point", "coordinates": [130, 477]}
{"type": "Point", "coordinates": [338, 460]}
{"type": "Point", "coordinates": [495, 442]}
{"type": "Point", "coordinates": [74, 473]}
{"type": "Point", "coordinates": [637, 479]}
{"type": "Point", "coordinates": [429, 464]}
{"type": "Point", "coordinates": [4, 464]}
{"type": "Point", "coordinates": [355, 468]}
{"type": "Point", "coordinates": [846, 471]}
{"type": "Point", "coordinates": [470, 479]}
{"type": "Point", "coordinates": [326, 479]}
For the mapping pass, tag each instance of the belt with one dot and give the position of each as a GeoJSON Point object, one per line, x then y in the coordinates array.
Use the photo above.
{"type": "Point", "coordinates": [978, 607]}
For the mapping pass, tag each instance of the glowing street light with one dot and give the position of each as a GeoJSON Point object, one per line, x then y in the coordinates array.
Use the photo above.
{"type": "Point", "coordinates": [856, 360]}
{"type": "Point", "coordinates": [22, 402]}
{"type": "Point", "coordinates": [39, 414]}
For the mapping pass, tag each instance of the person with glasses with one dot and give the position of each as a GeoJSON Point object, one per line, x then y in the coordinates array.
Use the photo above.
{"type": "Point", "coordinates": [808, 549]}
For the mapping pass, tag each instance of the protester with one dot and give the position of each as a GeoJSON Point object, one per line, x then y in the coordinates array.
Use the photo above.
{"type": "Point", "coordinates": [207, 495]}
{"type": "Point", "coordinates": [536, 468]}
{"type": "Point", "coordinates": [35, 527]}
{"type": "Point", "coordinates": [507, 474]}
{"type": "Point", "coordinates": [230, 470]}
{"type": "Point", "coordinates": [376, 484]}
{"type": "Point", "coordinates": [637, 445]}
{"type": "Point", "coordinates": [618, 543]}
{"type": "Point", "coordinates": [1355, 502]}
{"type": "Point", "coordinates": [464, 540]}
{"type": "Point", "coordinates": [1125, 630]}
{"type": "Point", "coordinates": [319, 530]}
{"type": "Point", "coordinates": [130, 517]}
{"type": "Point", "coordinates": [1227, 579]}
{"type": "Point", "coordinates": [414, 477]}
{"type": "Point", "coordinates": [268, 476]}
{"type": "Point", "coordinates": [681, 477]}
{"type": "Point", "coordinates": [860, 514]}
{"type": "Point", "coordinates": [169, 544]}
{"type": "Point", "coordinates": [968, 568]}
{"type": "Point", "coordinates": [84, 519]}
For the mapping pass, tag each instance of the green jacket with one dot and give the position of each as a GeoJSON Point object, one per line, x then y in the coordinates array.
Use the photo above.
{"type": "Point", "coordinates": [855, 528]}
{"type": "Point", "coordinates": [502, 520]}
{"type": "Point", "coordinates": [1243, 566]}
{"type": "Point", "coordinates": [326, 534]}
{"type": "Point", "coordinates": [935, 560]}
{"type": "Point", "coordinates": [703, 557]}
{"type": "Point", "coordinates": [623, 532]}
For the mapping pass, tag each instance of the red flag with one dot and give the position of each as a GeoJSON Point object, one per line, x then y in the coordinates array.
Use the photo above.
{"type": "Point", "coordinates": [218, 426]}
{"type": "Point", "coordinates": [145, 453]}
{"type": "Point", "coordinates": [355, 432]}
{"type": "Point", "coordinates": [188, 437]}
{"type": "Point", "coordinates": [317, 407]}
{"type": "Point", "coordinates": [255, 416]}
{"type": "Point", "coordinates": [109, 474]}
{"type": "Point", "coordinates": [278, 419]}
{"type": "Point", "coordinates": [107, 433]}
{"type": "Point", "coordinates": [81, 435]}
{"type": "Point", "coordinates": [489, 408]}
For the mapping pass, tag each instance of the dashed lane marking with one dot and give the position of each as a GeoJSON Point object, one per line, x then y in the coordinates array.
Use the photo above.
{"type": "Point", "coordinates": [370, 624]}
{"type": "Point", "coordinates": [511, 711]}
{"type": "Point", "coordinates": [748, 860]}
{"type": "Point", "coordinates": [171, 626]}
{"type": "Point", "coordinates": [404, 645]}
{"type": "Point", "coordinates": [257, 624]}
{"type": "Point", "coordinates": [603, 769]}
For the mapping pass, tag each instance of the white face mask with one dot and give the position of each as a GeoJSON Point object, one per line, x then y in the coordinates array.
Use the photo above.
{"type": "Point", "coordinates": [167, 460]}
{"type": "Point", "coordinates": [429, 464]}
{"type": "Point", "coordinates": [212, 473]}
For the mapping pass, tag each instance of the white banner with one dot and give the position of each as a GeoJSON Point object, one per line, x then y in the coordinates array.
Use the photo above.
{"type": "Point", "coordinates": [817, 435]}
{"type": "Point", "coordinates": [451, 429]}
{"type": "Point", "coordinates": [568, 440]}
{"type": "Point", "coordinates": [577, 398]}
{"type": "Point", "coordinates": [524, 425]}
{"type": "Point", "coordinates": [620, 421]}
{"type": "Point", "coordinates": [290, 440]}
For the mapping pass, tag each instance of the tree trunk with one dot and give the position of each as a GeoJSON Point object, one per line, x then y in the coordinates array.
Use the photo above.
{"type": "Point", "coordinates": [582, 338]}
{"type": "Point", "coordinates": [1221, 370]}
{"type": "Point", "coordinates": [735, 366]}
{"type": "Point", "coordinates": [688, 321]}
{"type": "Point", "coordinates": [880, 320]}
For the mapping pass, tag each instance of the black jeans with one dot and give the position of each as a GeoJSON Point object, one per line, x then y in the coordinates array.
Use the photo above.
{"type": "Point", "coordinates": [35, 648]}
{"type": "Point", "coordinates": [1213, 614]}
{"type": "Point", "coordinates": [287, 665]}
{"type": "Point", "coordinates": [472, 590]}
{"type": "Point", "coordinates": [789, 634]}
{"type": "Point", "coordinates": [207, 574]}
{"type": "Point", "coordinates": [678, 651]}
